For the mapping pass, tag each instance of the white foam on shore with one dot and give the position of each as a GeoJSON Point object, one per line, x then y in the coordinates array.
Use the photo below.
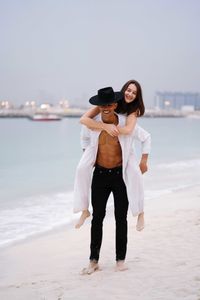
{"type": "Point", "coordinates": [35, 216]}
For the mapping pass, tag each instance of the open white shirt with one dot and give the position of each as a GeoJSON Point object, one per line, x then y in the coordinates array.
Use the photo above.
{"type": "Point", "coordinates": [131, 172]}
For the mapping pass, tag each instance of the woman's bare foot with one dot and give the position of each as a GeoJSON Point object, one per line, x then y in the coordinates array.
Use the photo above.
{"type": "Point", "coordinates": [120, 266]}
{"type": "Point", "coordinates": [140, 222]}
{"type": "Point", "coordinates": [93, 266]}
{"type": "Point", "coordinates": [85, 214]}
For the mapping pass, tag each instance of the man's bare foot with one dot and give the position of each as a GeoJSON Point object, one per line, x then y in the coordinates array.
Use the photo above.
{"type": "Point", "coordinates": [85, 214]}
{"type": "Point", "coordinates": [120, 266]}
{"type": "Point", "coordinates": [140, 222]}
{"type": "Point", "coordinates": [93, 266]}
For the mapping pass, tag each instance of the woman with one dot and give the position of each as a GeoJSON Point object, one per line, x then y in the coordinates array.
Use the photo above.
{"type": "Point", "coordinates": [132, 106]}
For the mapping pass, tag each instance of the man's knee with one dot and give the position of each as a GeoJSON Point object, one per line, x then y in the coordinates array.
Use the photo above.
{"type": "Point", "coordinates": [121, 219]}
{"type": "Point", "coordinates": [98, 217]}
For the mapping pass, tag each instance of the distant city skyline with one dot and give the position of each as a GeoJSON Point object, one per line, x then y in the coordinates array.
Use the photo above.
{"type": "Point", "coordinates": [69, 49]}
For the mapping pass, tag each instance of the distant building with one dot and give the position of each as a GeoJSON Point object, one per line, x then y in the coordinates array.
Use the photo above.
{"type": "Point", "coordinates": [5, 104]}
{"type": "Point", "coordinates": [176, 100]}
{"type": "Point", "coordinates": [64, 103]}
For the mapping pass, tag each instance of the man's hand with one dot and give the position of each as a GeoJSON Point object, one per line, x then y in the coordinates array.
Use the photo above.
{"type": "Point", "coordinates": [143, 167]}
{"type": "Point", "coordinates": [143, 163]}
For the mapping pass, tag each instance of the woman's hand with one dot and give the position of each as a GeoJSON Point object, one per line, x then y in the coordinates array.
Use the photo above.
{"type": "Point", "coordinates": [111, 129]}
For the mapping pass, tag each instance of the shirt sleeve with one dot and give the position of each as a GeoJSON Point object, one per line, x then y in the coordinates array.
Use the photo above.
{"type": "Point", "coordinates": [84, 137]}
{"type": "Point", "coordinates": [144, 137]}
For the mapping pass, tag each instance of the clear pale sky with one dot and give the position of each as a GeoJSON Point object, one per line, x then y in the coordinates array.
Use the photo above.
{"type": "Point", "coordinates": [52, 49]}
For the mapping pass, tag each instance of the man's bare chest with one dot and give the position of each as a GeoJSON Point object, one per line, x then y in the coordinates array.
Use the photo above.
{"type": "Point", "coordinates": [106, 139]}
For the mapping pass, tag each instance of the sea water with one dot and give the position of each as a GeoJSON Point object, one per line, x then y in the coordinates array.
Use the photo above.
{"type": "Point", "coordinates": [38, 162]}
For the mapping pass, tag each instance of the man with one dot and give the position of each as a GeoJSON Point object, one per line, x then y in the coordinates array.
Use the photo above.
{"type": "Point", "coordinates": [109, 155]}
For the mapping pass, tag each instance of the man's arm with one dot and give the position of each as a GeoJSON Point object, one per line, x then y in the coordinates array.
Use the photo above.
{"type": "Point", "coordinates": [143, 163]}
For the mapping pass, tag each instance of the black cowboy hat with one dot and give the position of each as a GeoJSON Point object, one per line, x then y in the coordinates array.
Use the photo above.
{"type": "Point", "coordinates": [106, 96]}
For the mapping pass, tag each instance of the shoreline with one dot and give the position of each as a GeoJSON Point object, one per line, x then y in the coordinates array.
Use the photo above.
{"type": "Point", "coordinates": [18, 113]}
{"type": "Point", "coordinates": [149, 202]}
{"type": "Point", "coordinates": [165, 252]}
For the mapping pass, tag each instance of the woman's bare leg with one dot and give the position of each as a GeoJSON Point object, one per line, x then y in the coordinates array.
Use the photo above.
{"type": "Point", "coordinates": [140, 222]}
{"type": "Point", "coordinates": [85, 214]}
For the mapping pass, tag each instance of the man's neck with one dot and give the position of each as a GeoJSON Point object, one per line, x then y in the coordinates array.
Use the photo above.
{"type": "Point", "coordinates": [112, 119]}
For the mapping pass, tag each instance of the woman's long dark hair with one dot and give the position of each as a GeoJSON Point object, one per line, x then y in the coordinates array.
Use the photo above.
{"type": "Point", "coordinates": [136, 106]}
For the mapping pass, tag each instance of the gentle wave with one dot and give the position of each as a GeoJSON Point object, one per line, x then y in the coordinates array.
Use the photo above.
{"type": "Point", "coordinates": [180, 164]}
{"type": "Point", "coordinates": [153, 194]}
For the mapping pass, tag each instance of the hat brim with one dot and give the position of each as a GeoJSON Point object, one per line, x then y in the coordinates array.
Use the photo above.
{"type": "Point", "coordinates": [95, 100]}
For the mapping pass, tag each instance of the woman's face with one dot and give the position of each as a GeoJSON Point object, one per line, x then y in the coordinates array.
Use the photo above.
{"type": "Point", "coordinates": [130, 93]}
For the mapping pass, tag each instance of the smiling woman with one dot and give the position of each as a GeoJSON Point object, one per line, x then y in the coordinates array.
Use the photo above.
{"type": "Point", "coordinates": [133, 99]}
{"type": "Point", "coordinates": [130, 93]}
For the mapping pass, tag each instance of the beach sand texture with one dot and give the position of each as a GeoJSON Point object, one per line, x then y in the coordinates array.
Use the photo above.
{"type": "Point", "coordinates": [163, 259]}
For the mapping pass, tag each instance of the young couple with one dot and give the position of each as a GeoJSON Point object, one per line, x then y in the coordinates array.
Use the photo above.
{"type": "Point", "coordinates": [109, 150]}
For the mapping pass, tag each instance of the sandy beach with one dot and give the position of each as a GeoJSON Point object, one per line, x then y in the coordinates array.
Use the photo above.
{"type": "Point", "coordinates": [163, 259]}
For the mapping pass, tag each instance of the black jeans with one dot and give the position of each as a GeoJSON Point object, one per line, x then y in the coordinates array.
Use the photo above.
{"type": "Point", "coordinates": [104, 182]}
